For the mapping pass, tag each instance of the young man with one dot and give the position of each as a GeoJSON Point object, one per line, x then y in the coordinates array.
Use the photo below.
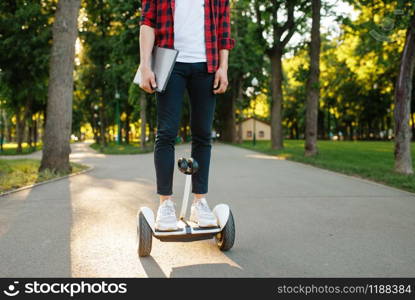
{"type": "Point", "coordinates": [200, 30]}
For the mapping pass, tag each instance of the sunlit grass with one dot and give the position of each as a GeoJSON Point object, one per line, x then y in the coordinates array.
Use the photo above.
{"type": "Point", "coordinates": [367, 159]}
{"type": "Point", "coordinates": [22, 172]}
{"type": "Point", "coordinates": [11, 149]}
{"type": "Point", "coordinates": [114, 148]}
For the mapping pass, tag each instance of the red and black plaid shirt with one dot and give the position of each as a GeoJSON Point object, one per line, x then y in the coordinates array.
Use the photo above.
{"type": "Point", "coordinates": [159, 14]}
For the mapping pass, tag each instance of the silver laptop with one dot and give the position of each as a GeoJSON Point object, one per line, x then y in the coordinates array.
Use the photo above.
{"type": "Point", "coordinates": [162, 63]}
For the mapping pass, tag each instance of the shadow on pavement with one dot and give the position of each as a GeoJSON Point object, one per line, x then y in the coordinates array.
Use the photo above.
{"type": "Point", "coordinates": [207, 270]}
{"type": "Point", "coordinates": [153, 270]}
{"type": "Point", "coordinates": [35, 238]}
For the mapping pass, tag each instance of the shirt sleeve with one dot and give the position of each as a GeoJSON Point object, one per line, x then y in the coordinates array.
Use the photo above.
{"type": "Point", "coordinates": [148, 13]}
{"type": "Point", "coordinates": [224, 39]}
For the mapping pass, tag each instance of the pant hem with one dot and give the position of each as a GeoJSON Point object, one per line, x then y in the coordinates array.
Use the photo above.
{"type": "Point", "coordinates": [199, 191]}
{"type": "Point", "coordinates": [164, 194]}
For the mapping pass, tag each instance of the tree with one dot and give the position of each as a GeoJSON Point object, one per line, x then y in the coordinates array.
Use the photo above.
{"type": "Point", "coordinates": [110, 39]}
{"type": "Point", "coordinates": [24, 58]}
{"type": "Point", "coordinates": [245, 62]}
{"type": "Point", "coordinates": [137, 99]}
{"type": "Point", "coordinates": [268, 25]}
{"type": "Point", "coordinates": [124, 56]}
{"type": "Point", "coordinates": [403, 94]}
{"type": "Point", "coordinates": [313, 83]}
{"type": "Point", "coordinates": [56, 148]}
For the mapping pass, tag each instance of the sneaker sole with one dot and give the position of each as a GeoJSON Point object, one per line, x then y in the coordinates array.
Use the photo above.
{"type": "Point", "coordinates": [167, 228]}
{"type": "Point", "coordinates": [206, 225]}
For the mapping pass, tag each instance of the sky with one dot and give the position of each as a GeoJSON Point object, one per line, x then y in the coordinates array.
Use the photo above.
{"type": "Point", "coordinates": [328, 23]}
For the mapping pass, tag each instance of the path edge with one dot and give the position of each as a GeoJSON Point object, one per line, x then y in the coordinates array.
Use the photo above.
{"type": "Point", "coordinates": [90, 168]}
{"type": "Point", "coordinates": [351, 176]}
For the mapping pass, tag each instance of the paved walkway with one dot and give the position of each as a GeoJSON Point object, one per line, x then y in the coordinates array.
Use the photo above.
{"type": "Point", "coordinates": [291, 220]}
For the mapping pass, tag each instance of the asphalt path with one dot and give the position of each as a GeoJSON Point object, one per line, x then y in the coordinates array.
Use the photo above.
{"type": "Point", "coordinates": [292, 220]}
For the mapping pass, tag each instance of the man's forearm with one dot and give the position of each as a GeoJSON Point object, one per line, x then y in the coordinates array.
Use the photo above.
{"type": "Point", "coordinates": [223, 58]}
{"type": "Point", "coordinates": [147, 37]}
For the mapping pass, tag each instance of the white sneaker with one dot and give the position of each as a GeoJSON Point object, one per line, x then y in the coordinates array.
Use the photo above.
{"type": "Point", "coordinates": [201, 214]}
{"type": "Point", "coordinates": [166, 219]}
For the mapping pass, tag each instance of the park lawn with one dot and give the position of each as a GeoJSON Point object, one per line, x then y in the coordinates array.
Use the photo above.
{"type": "Point", "coordinates": [367, 159]}
{"type": "Point", "coordinates": [17, 173]}
{"type": "Point", "coordinates": [10, 149]}
{"type": "Point", "coordinates": [114, 148]}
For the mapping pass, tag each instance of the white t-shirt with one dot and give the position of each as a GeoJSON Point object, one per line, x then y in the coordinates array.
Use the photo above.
{"type": "Point", "coordinates": [189, 30]}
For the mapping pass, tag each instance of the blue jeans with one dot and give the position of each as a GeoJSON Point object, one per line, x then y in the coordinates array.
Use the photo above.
{"type": "Point", "coordinates": [199, 84]}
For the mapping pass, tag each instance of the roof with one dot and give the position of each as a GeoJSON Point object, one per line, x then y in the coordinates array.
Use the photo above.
{"type": "Point", "coordinates": [259, 120]}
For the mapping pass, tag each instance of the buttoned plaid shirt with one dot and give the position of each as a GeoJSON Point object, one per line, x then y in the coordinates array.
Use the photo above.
{"type": "Point", "coordinates": [159, 14]}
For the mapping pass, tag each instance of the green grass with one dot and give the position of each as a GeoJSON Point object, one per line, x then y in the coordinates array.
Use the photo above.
{"type": "Point", "coordinates": [22, 172]}
{"type": "Point", "coordinates": [366, 159]}
{"type": "Point", "coordinates": [114, 148]}
{"type": "Point", "coordinates": [11, 149]}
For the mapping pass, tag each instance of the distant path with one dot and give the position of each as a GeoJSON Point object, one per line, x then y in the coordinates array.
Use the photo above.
{"type": "Point", "coordinates": [291, 220]}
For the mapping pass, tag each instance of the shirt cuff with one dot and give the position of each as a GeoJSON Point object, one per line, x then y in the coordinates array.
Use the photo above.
{"type": "Point", "coordinates": [226, 43]}
{"type": "Point", "coordinates": [148, 22]}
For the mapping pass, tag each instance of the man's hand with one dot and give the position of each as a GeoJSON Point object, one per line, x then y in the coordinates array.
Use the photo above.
{"type": "Point", "coordinates": [148, 80]}
{"type": "Point", "coordinates": [221, 81]}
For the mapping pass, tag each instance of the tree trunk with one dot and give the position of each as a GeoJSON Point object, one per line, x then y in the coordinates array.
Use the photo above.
{"type": "Point", "coordinates": [6, 127]}
{"type": "Point", "coordinates": [313, 84]}
{"type": "Point", "coordinates": [95, 133]}
{"type": "Point", "coordinates": [292, 132]}
{"type": "Point", "coordinates": [19, 130]}
{"type": "Point", "coordinates": [102, 127]}
{"type": "Point", "coordinates": [238, 99]}
{"type": "Point", "coordinates": [403, 93]}
{"type": "Point", "coordinates": [9, 128]}
{"type": "Point", "coordinates": [21, 118]}
{"type": "Point", "coordinates": [35, 122]}
{"type": "Point", "coordinates": [297, 131]}
{"type": "Point", "coordinates": [127, 128]}
{"type": "Point", "coordinates": [30, 129]}
{"type": "Point", "coordinates": [229, 129]}
{"type": "Point", "coordinates": [277, 98]}
{"type": "Point", "coordinates": [42, 126]}
{"type": "Point", "coordinates": [328, 122]}
{"type": "Point", "coordinates": [143, 117]}
{"type": "Point", "coordinates": [56, 148]}
{"type": "Point", "coordinates": [2, 128]}
{"type": "Point", "coordinates": [29, 132]}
